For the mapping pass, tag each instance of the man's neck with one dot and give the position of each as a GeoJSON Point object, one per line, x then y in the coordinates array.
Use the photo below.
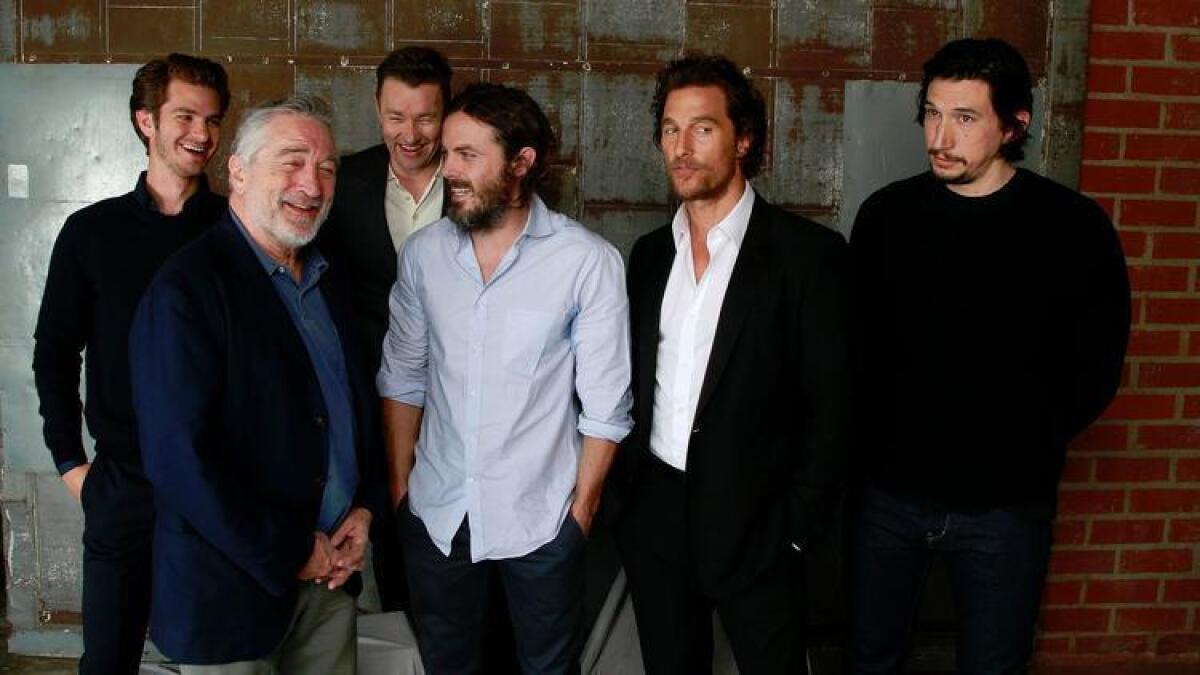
{"type": "Point", "coordinates": [415, 182]}
{"type": "Point", "coordinates": [169, 190]}
{"type": "Point", "coordinates": [996, 177]}
{"type": "Point", "coordinates": [704, 214]}
{"type": "Point", "coordinates": [492, 244]}
{"type": "Point", "coordinates": [288, 257]}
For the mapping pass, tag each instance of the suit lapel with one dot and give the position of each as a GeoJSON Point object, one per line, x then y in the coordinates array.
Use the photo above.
{"type": "Point", "coordinates": [744, 287]}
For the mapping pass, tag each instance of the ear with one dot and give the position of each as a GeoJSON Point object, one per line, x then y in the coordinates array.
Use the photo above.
{"type": "Point", "coordinates": [742, 146]}
{"type": "Point", "coordinates": [523, 162]}
{"type": "Point", "coordinates": [1023, 118]}
{"type": "Point", "coordinates": [145, 122]}
{"type": "Point", "coordinates": [237, 174]}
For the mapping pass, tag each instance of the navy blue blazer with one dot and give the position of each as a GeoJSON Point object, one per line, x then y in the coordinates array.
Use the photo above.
{"type": "Point", "coordinates": [231, 423]}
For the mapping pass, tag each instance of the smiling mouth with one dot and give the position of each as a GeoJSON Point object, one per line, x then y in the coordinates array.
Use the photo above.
{"type": "Point", "coordinates": [307, 210]}
{"type": "Point", "coordinates": [200, 149]}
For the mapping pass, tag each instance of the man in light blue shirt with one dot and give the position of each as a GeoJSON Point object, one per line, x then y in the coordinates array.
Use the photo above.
{"type": "Point", "coordinates": [508, 351]}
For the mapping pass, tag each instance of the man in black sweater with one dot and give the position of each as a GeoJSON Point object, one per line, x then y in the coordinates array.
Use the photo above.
{"type": "Point", "coordinates": [102, 261]}
{"type": "Point", "coordinates": [993, 313]}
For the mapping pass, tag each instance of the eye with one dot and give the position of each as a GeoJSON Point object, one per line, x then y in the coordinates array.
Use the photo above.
{"type": "Point", "coordinates": [930, 113]}
{"type": "Point", "coordinates": [183, 117]}
{"type": "Point", "coordinates": [669, 131]}
{"type": "Point", "coordinates": [965, 118]}
{"type": "Point", "coordinates": [704, 130]}
{"type": "Point", "coordinates": [328, 170]}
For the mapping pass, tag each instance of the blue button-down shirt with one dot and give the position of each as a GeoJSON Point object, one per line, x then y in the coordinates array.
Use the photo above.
{"type": "Point", "coordinates": [306, 306]}
{"type": "Point", "coordinates": [511, 374]}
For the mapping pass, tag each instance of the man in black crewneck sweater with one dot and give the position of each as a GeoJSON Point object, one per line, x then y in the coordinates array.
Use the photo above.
{"type": "Point", "coordinates": [993, 313]}
{"type": "Point", "coordinates": [102, 261]}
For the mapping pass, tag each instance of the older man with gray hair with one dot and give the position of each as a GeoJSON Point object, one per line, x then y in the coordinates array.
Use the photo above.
{"type": "Point", "coordinates": [256, 413]}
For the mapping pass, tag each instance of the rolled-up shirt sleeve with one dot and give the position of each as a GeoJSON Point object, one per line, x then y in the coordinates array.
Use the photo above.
{"type": "Point", "coordinates": [600, 340]}
{"type": "Point", "coordinates": [403, 371]}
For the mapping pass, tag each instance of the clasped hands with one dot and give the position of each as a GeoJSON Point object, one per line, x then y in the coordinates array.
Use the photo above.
{"type": "Point", "coordinates": [334, 558]}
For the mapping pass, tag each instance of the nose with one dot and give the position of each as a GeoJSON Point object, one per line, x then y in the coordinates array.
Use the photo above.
{"type": "Point", "coordinates": [408, 131]}
{"type": "Point", "coordinates": [308, 181]}
{"type": "Point", "coordinates": [942, 137]}
{"type": "Point", "coordinates": [681, 144]}
{"type": "Point", "coordinates": [200, 129]}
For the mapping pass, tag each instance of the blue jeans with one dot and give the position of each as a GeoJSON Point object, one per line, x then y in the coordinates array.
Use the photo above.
{"type": "Point", "coordinates": [997, 562]}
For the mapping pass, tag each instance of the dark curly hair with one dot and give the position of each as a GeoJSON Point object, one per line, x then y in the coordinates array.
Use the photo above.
{"type": "Point", "coordinates": [149, 90]}
{"type": "Point", "coordinates": [1003, 69]}
{"type": "Point", "coordinates": [518, 123]}
{"type": "Point", "coordinates": [744, 103]}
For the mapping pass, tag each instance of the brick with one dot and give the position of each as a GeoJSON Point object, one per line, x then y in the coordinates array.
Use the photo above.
{"type": "Point", "coordinates": [1026, 30]}
{"type": "Point", "coordinates": [1172, 310]}
{"type": "Point", "coordinates": [1132, 243]}
{"type": "Point", "coordinates": [1184, 530]}
{"type": "Point", "coordinates": [1110, 12]}
{"type": "Point", "coordinates": [1150, 619]}
{"type": "Point", "coordinates": [1126, 531]}
{"type": "Point", "coordinates": [1174, 13]}
{"type": "Point", "coordinates": [1132, 470]}
{"type": "Point", "coordinates": [1082, 562]}
{"type": "Point", "coordinates": [1164, 501]}
{"type": "Point", "coordinates": [1169, 437]}
{"type": "Point", "coordinates": [1165, 81]}
{"type": "Point", "coordinates": [1185, 47]}
{"type": "Point", "coordinates": [1095, 178]}
{"type": "Point", "coordinates": [1183, 116]}
{"type": "Point", "coordinates": [1074, 620]}
{"type": "Point", "coordinates": [1177, 213]}
{"type": "Point", "coordinates": [1162, 146]}
{"type": "Point", "coordinates": [1182, 590]}
{"type": "Point", "coordinates": [904, 38]}
{"type": "Point", "coordinates": [1179, 180]}
{"type": "Point", "coordinates": [1098, 145]}
{"type": "Point", "coordinates": [1194, 350]}
{"type": "Point", "coordinates": [1171, 645]}
{"type": "Point", "coordinates": [522, 30]}
{"type": "Point", "coordinates": [1091, 501]}
{"type": "Point", "coordinates": [1062, 593]}
{"type": "Point", "coordinates": [1169, 375]}
{"type": "Point", "coordinates": [1108, 204]}
{"type": "Point", "coordinates": [1191, 404]}
{"type": "Point", "coordinates": [1077, 470]}
{"type": "Point", "coordinates": [1158, 278]}
{"type": "Point", "coordinates": [1106, 79]}
{"type": "Point", "coordinates": [1127, 45]}
{"type": "Point", "coordinates": [1187, 469]}
{"type": "Point", "coordinates": [1176, 246]}
{"type": "Point", "coordinates": [1102, 437]}
{"type": "Point", "coordinates": [1113, 644]}
{"type": "Point", "coordinates": [1140, 407]}
{"type": "Point", "coordinates": [1053, 645]}
{"type": "Point", "coordinates": [1069, 532]}
{"type": "Point", "coordinates": [1154, 342]}
{"type": "Point", "coordinates": [1121, 591]}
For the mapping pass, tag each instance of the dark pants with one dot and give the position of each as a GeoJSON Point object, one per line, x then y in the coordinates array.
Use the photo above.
{"type": "Point", "coordinates": [764, 621]}
{"type": "Point", "coordinates": [387, 560]}
{"type": "Point", "coordinates": [450, 600]}
{"type": "Point", "coordinates": [997, 562]}
{"type": "Point", "coordinates": [118, 536]}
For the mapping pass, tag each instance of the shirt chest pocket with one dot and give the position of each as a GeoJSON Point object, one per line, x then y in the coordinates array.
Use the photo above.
{"type": "Point", "coordinates": [527, 333]}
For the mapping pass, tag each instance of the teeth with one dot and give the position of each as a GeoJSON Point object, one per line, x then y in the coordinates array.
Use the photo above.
{"type": "Point", "coordinates": [193, 148]}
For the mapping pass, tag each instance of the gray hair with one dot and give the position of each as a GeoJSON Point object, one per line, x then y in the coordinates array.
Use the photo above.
{"type": "Point", "coordinates": [250, 137]}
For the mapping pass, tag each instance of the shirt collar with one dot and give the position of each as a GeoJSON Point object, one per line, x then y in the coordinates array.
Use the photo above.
{"type": "Point", "coordinates": [141, 193]}
{"type": "Point", "coordinates": [733, 225]}
{"type": "Point", "coordinates": [311, 259]}
{"type": "Point", "coordinates": [433, 180]}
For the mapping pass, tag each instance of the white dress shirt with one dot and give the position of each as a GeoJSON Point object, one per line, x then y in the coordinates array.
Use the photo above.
{"type": "Point", "coordinates": [690, 310]}
{"type": "Point", "coordinates": [406, 215]}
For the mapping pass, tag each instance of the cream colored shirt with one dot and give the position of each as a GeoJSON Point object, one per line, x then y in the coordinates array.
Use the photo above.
{"type": "Point", "coordinates": [406, 215]}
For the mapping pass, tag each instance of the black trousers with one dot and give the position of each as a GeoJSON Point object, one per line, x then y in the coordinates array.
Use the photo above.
{"type": "Point", "coordinates": [451, 606]}
{"type": "Point", "coordinates": [387, 560]}
{"type": "Point", "coordinates": [764, 622]}
{"type": "Point", "coordinates": [118, 537]}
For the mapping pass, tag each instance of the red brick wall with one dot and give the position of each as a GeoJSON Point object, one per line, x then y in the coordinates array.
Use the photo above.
{"type": "Point", "coordinates": [1125, 574]}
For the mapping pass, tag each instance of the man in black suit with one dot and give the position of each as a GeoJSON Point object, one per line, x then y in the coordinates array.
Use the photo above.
{"type": "Point", "coordinates": [384, 194]}
{"type": "Point", "coordinates": [739, 323]}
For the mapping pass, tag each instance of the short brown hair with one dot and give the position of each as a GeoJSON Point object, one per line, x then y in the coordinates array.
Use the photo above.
{"type": "Point", "coordinates": [415, 66]}
{"type": "Point", "coordinates": [150, 83]}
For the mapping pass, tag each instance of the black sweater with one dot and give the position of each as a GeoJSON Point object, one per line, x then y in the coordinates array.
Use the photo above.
{"type": "Point", "coordinates": [102, 261]}
{"type": "Point", "coordinates": [992, 330]}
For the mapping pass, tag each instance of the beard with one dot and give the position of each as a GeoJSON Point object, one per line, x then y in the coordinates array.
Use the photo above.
{"type": "Point", "coordinates": [293, 235]}
{"type": "Point", "coordinates": [493, 203]}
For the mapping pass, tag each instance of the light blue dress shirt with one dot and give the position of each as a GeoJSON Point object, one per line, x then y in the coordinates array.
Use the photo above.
{"type": "Point", "coordinates": [511, 373]}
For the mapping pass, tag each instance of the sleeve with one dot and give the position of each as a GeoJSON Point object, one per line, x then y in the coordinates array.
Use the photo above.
{"type": "Point", "coordinates": [600, 341]}
{"type": "Point", "coordinates": [1099, 327]}
{"type": "Point", "coordinates": [403, 370]}
{"type": "Point", "coordinates": [825, 392]}
{"type": "Point", "coordinates": [177, 364]}
{"type": "Point", "coordinates": [63, 325]}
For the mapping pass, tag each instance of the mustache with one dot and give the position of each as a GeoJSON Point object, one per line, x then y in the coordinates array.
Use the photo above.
{"type": "Point", "coordinates": [302, 201]}
{"type": "Point", "coordinates": [946, 155]}
{"type": "Point", "coordinates": [450, 183]}
{"type": "Point", "coordinates": [684, 164]}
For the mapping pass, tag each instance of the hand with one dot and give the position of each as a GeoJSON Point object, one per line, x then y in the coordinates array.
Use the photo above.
{"type": "Point", "coordinates": [320, 562]}
{"type": "Point", "coordinates": [74, 479]}
{"type": "Point", "coordinates": [584, 511]}
{"type": "Point", "coordinates": [350, 546]}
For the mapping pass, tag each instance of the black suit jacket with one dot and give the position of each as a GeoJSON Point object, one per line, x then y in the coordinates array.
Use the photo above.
{"type": "Point", "coordinates": [770, 436]}
{"type": "Point", "coordinates": [231, 420]}
{"type": "Point", "coordinates": [356, 238]}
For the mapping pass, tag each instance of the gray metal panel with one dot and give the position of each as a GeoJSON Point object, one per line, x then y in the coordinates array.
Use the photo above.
{"type": "Point", "coordinates": [883, 144]}
{"type": "Point", "coordinates": [69, 126]}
